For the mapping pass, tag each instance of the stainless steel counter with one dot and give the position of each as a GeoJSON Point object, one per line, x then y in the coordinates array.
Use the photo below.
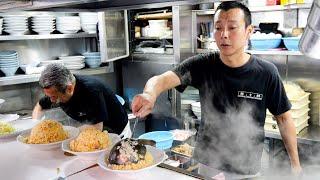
{"type": "Point", "coordinates": [309, 135]}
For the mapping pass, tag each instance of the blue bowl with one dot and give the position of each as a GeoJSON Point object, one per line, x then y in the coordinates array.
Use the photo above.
{"type": "Point", "coordinates": [264, 44]}
{"type": "Point", "coordinates": [291, 43]}
{"type": "Point", "coordinates": [163, 139]}
{"type": "Point", "coordinates": [89, 54]}
{"type": "Point", "coordinates": [9, 53]}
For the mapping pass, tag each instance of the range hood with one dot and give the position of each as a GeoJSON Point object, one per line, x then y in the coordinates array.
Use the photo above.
{"type": "Point", "coordinates": [15, 5]}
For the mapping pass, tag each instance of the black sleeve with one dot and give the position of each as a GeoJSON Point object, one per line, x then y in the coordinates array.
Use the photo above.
{"type": "Point", "coordinates": [277, 100]}
{"type": "Point", "coordinates": [189, 71]}
{"type": "Point", "coordinates": [45, 102]}
{"type": "Point", "coordinates": [108, 110]}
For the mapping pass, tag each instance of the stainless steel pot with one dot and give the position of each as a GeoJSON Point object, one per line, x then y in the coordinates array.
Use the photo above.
{"type": "Point", "coordinates": [309, 43]}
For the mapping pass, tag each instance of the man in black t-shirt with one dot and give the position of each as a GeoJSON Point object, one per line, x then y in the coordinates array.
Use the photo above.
{"type": "Point", "coordinates": [84, 98]}
{"type": "Point", "coordinates": [235, 90]}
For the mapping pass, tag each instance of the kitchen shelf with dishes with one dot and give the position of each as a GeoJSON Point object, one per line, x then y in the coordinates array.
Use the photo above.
{"type": "Point", "coordinates": [47, 36]}
{"type": "Point", "coordinates": [28, 78]}
{"type": "Point", "coordinates": [260, 52]}
{"type": "Point", "coordinates": [280, 7]}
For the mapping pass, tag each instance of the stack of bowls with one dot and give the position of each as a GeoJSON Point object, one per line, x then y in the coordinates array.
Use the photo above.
{"type": "Point", "coordinates": [1, 22]}
{"type": "Point", "coordinates": [89, 21]}
{"type": "Point", "coordinates": [9, 62]}
{"type": "Point", "coordinates": [68, 24]}
{"type": "Point", "coordinates": [15, 24]}
{"type": "Point", "coordinates": [92, 59]}
{"type": "Point", "coordinates": [43, 24]}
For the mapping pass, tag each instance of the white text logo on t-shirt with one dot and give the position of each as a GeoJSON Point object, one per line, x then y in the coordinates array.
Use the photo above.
{"type": "Point", "coordinates": [250, 95]}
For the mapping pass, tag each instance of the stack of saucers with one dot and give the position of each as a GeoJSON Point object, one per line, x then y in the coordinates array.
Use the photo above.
{"type": "Point", "coordinates": [89, 21]}
{"type": "Point", "coordinates": [92, 59]}
{"type": "Point", "coordinates": [73, 62]}
{"type": "Point", "coordinates": [43, 24]}
{"type": "Point", "coordinates": [1, 22]}
{"type": "Point", "coordinates": [68, 24]}
{"type": "Point", "coordinates": [9, 62]}
{"type": "Point", "coordinates": [15, 24]}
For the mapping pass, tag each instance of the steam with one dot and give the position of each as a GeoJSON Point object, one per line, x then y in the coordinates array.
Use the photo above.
{"type": "Point", "coordinates": [237, 135]}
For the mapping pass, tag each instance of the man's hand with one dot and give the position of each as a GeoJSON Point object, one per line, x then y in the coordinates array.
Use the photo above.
{"type": "Point", "coordinates": [142, 104]}
{"type": "Point", "coordinates": [296, 170]}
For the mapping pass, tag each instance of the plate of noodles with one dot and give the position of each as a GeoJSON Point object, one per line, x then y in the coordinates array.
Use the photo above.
{"type": "Point", "coordinates": [90, 143]}
{"type": "Point", "coordinates": [153, 158]}
{"type": "Point", "coordinates": [47, 135]}
{"type": "Point", "coordinates": [13, 129]}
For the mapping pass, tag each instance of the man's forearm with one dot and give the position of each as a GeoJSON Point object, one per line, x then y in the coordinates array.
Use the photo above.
{"type": "Point", "coordinates": [37, 111]}
{"type": "Point", "coordinates": [289, 137]}
{"type": "Point", "coordinates": [157, 84]}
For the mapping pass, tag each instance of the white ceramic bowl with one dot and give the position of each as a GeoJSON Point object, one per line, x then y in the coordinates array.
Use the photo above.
{"type": "Point", "coordinates": [94, 154]}
{"type": "Point", "coordinates": [158, 157]}
{"type": "Point", "coordinates": [72, 131]}
{"type": "Point", "coordinates": [21, 126]}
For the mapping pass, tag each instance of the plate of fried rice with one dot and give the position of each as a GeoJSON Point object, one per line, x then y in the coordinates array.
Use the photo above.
{"type": "Point", "coordinates": [153, 158]}
{"type": "Point", "coordinates": [47, 135]}
{"type": "Point", "coordinates": [13, 129]}
{"type": "Point", "coordinates": [90, 144]}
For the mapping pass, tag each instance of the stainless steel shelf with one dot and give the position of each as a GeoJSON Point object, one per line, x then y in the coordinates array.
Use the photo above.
{"type": "Point", "coordinates": [204, 12]}
{"type": "Point", "coordinates": [20, 79]}
{"type": "Point", "coordinates": [146, 38]}
{"type": "Point", "coordinates": [49, 36]}
{"type": "Point", "coordinates": [271, 52]}
{"type": "Point", "coordinates": [280, 7]}
{"type": "Point", "coordinates": [260, 8]}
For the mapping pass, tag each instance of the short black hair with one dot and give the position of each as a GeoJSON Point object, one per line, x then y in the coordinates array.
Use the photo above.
{"type": "Point", "coordinates": [227, 5]}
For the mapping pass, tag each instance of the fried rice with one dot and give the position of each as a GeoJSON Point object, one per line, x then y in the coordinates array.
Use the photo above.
{"type": "Point", "coordinates": [90, 139]}
{"type": "Point", "coordinates": [47, 131]}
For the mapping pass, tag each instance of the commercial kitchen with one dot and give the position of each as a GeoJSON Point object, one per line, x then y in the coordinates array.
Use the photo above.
{"type": "Point", "coordinates": [125, 43]}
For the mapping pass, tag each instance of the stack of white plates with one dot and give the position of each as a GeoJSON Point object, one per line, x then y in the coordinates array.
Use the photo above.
{"type": "Point", "coordinates": [9, 62]}
{"type": "Point", "coordinates": [68, 24]}
{"type": "Point", "coordinates": [15, 24]}
{"type": "Point", "coordinates": [1, 22]}
{"type": "Point", "coordinates": [46, 62]}
{"type": "Point", "coordinates": [73, 62]}
{"type": "Point", "coordinates": [196, 108]}
{"type": "Point", "coordinates": [89, 21]}
{"type": "Point", "coordinates": [43, 24]}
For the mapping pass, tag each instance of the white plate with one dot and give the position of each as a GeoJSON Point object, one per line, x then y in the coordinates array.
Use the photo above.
{"type": "Point", "coordinates": [72, 58]}
{"type": "Point", "coordinates": [21, 126]}
{"type": "Point", "coordinates": [94, 154]}
{"type": "Point", "coordinates": [68, 31]}
{"type": "Point", "coordinates": [8, 117]}
{"type": "Point", "coordinates": [158, 157]}
{"type": "Point", "coordinates": [74, 67]}
{"type": "Point", "coordinates": [72, 131]}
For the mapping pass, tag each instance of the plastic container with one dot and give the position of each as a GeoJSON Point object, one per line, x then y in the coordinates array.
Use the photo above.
{"type": "Point", "coordinates": [163, 139]}
{"type": "Point", "coordinates": [264, 44]}
{"type": "Point", "coordinates": [291, 43]}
